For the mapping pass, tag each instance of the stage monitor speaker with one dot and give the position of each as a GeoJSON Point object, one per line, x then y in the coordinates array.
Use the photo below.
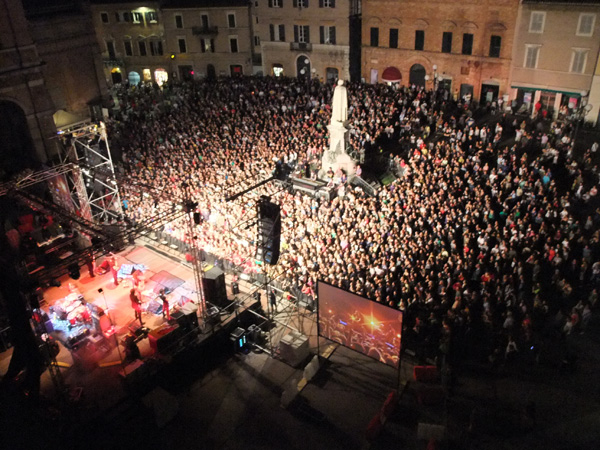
{"type": "Point", "coordinates": [213, 285]}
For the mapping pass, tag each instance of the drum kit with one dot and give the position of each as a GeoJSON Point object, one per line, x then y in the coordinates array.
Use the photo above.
{"type": "Point", "coordinates": [75, 309]}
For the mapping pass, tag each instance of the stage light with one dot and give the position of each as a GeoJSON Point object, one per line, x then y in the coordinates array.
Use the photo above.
{"type": "Point", "coordinates": [172, 55]}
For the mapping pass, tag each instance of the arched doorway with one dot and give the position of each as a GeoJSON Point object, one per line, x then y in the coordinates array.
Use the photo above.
{"type": "Point", "coordinates": [134, 78]}
{"type": "Point", "coordinates": [303, 67]}
{"type": "Point", "coordinates": [211, 73]}
{"type": "Point", "coordinates": [116, 75]}
{"type": "Point", "coordinates": [417, 75]}
{"type": "Point", "coordinates": [16, 146]}
{"type": "Point", "coordinates": [161, 76]}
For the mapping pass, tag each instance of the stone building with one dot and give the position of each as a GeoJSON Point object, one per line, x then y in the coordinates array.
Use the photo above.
{"type": "Point", "coordinates": [47, 62]}
{"type": "Point", "coordinates": [302, 38]}
{"type": "Point", "coordinates": [462, 46]}
{"type": "Point", "coordinates": [209, 38]}
{"type": "Point", "coordinates": [555, 57]}
{"type": "Point", "coordinates": [132, 41]}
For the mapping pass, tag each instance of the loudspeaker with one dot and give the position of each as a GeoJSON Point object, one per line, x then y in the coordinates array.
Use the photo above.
{"type": "Point", "coordinates": [235, 288]}
{"type": "Point", "coordinates": [269, 231]}
{"type": "Point", "coordinates": [213, 285]}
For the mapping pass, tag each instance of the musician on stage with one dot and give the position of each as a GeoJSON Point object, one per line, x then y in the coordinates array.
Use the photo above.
{"type": "Point", "coordinates": [114, 269]}
{"type": "Point", "coordinates": [136, 304]}
{"type": "Point", "coordinates": [165, 309]}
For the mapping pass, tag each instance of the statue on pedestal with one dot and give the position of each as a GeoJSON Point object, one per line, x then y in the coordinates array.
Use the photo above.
{"type": "Point", "coordinates": [336, 157]}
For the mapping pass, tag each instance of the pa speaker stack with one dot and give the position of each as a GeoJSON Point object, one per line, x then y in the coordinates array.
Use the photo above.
{"type": "Point", "coordinates": [213, 285]}
{"type": "Point", "coordinates": [269, 231]}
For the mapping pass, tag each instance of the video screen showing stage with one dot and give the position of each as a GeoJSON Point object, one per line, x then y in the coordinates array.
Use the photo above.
{"type": "Point", "coordinates": [359, 324]}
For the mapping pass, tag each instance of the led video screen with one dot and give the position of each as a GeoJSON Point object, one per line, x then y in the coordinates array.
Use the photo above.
{"type": "Point", "coordinates": [359, 324]}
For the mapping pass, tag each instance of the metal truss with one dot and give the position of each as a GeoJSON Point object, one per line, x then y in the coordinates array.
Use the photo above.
{"type": "Point", "coordinates": [94, 186]}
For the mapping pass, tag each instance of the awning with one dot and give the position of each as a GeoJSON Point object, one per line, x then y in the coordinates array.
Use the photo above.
{"type": "Point", "coordinates": [391, 75]}
{"type": "Point", "coordinates": [544, 89]}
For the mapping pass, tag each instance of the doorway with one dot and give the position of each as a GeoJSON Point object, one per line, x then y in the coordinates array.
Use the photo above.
{"type": "Point", "coordinates": [417, 75]}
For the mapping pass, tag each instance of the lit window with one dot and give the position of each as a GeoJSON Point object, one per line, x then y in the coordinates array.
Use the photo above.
{"type": "Point", "coordinates": [137, 17]}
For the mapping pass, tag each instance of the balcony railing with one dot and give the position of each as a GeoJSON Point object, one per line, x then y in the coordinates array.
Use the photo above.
{"type": "Point", "coordinates": [204, 31]}
{"type": "Point", "coordinates": [303, 46]}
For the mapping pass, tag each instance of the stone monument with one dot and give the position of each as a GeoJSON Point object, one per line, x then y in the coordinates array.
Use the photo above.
{"type": "Point", "coordinates": [337, 156]}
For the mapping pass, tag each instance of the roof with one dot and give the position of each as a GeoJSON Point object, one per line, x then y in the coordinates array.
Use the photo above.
{"type": "Point", "coordinates": [564, 2]}
{"type": "Point", "coordinates": [167, 4]}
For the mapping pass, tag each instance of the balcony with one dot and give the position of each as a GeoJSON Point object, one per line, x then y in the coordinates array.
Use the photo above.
{"type": "Point", "coordinates": [301, 46]}
{"type": "Point", "coordinates": [205, 31]}
{"type": "Point", "coordinates": [113, 62]}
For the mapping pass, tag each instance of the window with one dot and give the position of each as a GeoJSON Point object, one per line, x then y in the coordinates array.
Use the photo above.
{"type": "Point", "coordinates": [178, 21]}
{"type": "Point", "coordinates": [532, 53]}
{"type": "Point", "coordinates": [104, 17]}
{"type": "Point", "coordinates": [326, 3]}
{"type": "Point", "coordinates": [156, 47]}
{"type": "Point", "coordinates": [301, 34]}
{"type": "Point", "coordinates": [151, 17]}
{"type": "Point", "coordinates": [233, 44]}
{"type": "Point", "coordinates": [110, 48]}
{"type": "Point", "coordinates": [117, 17]}
{"type": "Point", "coordinates": [447, 42]}
{"type": "Point", "coordinates": [277, 32]}
{"type": "Point", "coordinates": [142, 47]}
{"type": "Point", "coordinates": [536, 22]}
{"type": "Point", "coordinates": [207, 45]}
{"type": "Point", "coordinates": [374, 37]}
{"type": "Point", "coordinates": [467, 47]}
{"type": "Point", "coordinates": [126, 16]}
{"type": "Point", "coordinates": [393, 37]}
{"type": "Point", "coordinates": [495, 46]}
{"type": "Point", "coordinates": [419, 39]}
{"type": "Point", "coordinates": [204, 20]}
{"type": "Point", "coordinates": [137, 17]}
{"type": "Point", "coordinates": [275, 3]}
{"type": "Point", "coordinates": [182, 45]}
{"type": "Point", "coordinates": [585, 27]}
{"type": "Point", "coordinates": [128, 48]}
{"type": "Point", "coordinates": [231, 20]}
{"type": "Point", "coordinates": [327, 35]}
{"type": "Point", "coordinates": [300, 3]}
{"type": "Point", "coordinates": [578, 60]}
{"type": "Point", "coordinates": [256, 41]}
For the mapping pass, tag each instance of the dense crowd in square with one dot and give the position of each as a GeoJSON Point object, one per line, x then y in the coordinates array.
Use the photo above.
{"type": "Point", "coordinates": [487, 240]}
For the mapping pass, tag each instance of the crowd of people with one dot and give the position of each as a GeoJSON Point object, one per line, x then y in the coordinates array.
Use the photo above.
{"type": "Point", "coordinates": [489, 236]}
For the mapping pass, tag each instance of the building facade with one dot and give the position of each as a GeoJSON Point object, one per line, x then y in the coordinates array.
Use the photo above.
{"type": "Point", "coordinates": [132, 41]}
{"type": "Point", "coordinates": [304, 38]}
{"type": "Point", "coordinates": [209, 38]}
{"type": "Point", "coordinates": [463, 46]}
{"type": "Point", "coordinates": [555, 57]}
{"type": "Point", "coordinates": [48, 61]}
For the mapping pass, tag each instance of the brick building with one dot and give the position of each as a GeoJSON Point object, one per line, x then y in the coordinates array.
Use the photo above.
{"type": "Point", "coordinates": [301, 38]}
{"type": "Point", "coordinates": [209, 37]}
{"type": "Point", "coordinates": [463, 46]}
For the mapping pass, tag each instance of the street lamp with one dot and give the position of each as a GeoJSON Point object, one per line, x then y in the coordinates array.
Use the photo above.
{"type": "Point", "coordinates": [434, 77]}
